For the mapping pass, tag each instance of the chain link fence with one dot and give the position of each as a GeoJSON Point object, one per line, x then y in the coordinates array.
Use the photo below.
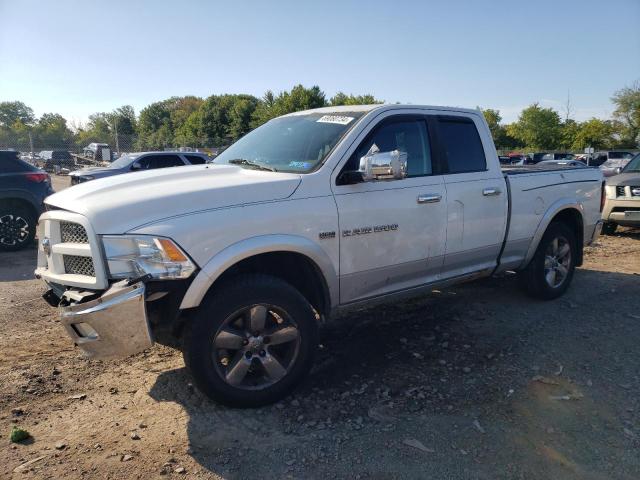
{"type": "Point", "coordinates": [62, 155]}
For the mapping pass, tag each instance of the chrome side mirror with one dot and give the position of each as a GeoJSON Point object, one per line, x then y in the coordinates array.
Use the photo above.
{"type": "Point", "coordinates": [618, 170]}
{"type": "Point", "coordinates": [136, 166]}
{"type": "Point", "coordinates": [376, 165]}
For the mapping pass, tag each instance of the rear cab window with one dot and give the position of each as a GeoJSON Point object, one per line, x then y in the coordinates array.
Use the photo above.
{"type": "Point", "coordinates": [461, 145]}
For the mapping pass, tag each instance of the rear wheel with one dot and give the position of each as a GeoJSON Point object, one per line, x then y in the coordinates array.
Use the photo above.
{"type": "Point", "coordinates": [251, 342]}
{"type": "Point", "coordinates": [609, 228]}
{"type": "Point", "coordinates": [17, 227]}
{"type": "Point", "coordinates": [550, 271]}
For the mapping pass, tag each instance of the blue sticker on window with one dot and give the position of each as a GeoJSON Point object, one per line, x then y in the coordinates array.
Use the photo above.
{"type": "Point", "coordinates": [302, 165]}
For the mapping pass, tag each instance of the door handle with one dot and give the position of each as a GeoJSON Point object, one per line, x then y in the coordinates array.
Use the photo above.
{"type": "Point", "coordinates": [491, 192]}
{"type": "Point", "coordinates": [429, 198]}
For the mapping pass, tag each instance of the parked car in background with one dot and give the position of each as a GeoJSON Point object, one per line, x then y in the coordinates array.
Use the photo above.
{"type": "Point", "coordinates": [23, 189]}
{"type": "Point", "coordinates": [602, 157]}
{"type": "Point", "coordinates": [518, 159]}
{"type": "Point", "coordinates": [622, 204]}
{"type": "Point", "coordinates": [563, 163]}
{"type": "Point", "coordinates": [140, 161]}
{"type": "Point", "coordinates": [558, 156]}
{"type": "Point", "coordinates": [55, 161]}
{"type": "Point", "coordinates": [98, 152]}
{"type": "Point", "coordinates": [614, 166]}
{"type": "Point", "coordinates": [312, 213]}
{"type": "Point", "coordinates": [535, 157]}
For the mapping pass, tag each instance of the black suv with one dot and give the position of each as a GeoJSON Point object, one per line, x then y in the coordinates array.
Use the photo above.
{"type": "Point", "coordinates": [56, 160]}
{"type": "Point", "coordinates": [23, 189]}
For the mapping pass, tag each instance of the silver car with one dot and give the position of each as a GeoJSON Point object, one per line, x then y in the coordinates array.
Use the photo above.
{"type": "Point", "coordinates": [622, 206]}
{"type": "Point", "coordinates": [134, 162]}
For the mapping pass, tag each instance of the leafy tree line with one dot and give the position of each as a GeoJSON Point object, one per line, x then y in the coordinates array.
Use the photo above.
{"type": "Point", "coordinates": [177, 121]}
{"type": "Point", "coordinates": [539, 128]}
{"type": "Point", "coordinates": [219, 120]}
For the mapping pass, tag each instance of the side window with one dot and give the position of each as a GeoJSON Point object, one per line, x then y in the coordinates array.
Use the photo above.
{"type": "Point", "coordinates": [163, 161]}
{"type": "Point", "coordinates": [461, 144]}
{"type": "Point", "coordinates": [195, 159]}
{"type": "Point", "coordinates": [408, 136]}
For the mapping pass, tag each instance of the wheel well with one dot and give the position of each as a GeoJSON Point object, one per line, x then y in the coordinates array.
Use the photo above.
{"type": "Point", "coordinates": [294, 268]}
{"type": "Point", "coordinates": [573, 219]}
{"type": "Point", "coordinates": [18, 202]}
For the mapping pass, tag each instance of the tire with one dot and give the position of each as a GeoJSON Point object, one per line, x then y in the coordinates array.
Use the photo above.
{"type": "Point", "coordinates": [609, 228]}
{"type": "Point", "coordinates": [17, 227]}
{"type": "Point", "coordinates": [211, 344]}
{"type": "Point", "coordinates": [535, 278]}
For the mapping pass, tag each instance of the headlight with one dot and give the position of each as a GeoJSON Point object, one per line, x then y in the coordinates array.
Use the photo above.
{"type": "Point", "coordinates": [137, 255]}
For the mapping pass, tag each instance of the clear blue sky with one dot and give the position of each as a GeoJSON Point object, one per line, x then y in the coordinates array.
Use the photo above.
{"type": "Point", "coordinates": [76, 57]}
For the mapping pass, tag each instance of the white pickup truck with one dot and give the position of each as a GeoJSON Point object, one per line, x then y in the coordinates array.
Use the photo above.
{"type": "Point", "coordinates": [238, 262]}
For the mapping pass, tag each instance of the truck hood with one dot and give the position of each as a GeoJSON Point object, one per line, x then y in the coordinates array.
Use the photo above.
{"type": "Point", "coordinates": [121, 203]}
{"type": "Point", "coordinates": [625, 179]}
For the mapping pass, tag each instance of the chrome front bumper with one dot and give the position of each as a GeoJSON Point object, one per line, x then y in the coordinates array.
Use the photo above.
{"type": "Point", "coordinates": [113, 325]}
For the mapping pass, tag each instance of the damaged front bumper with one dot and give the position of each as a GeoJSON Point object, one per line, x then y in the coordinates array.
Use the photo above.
{"type": "Point", "coordinates": [113, 325]}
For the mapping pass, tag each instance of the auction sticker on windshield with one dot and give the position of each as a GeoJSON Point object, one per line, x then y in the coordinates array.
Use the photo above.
{"type": "Point", "coordinates": [339, 119]}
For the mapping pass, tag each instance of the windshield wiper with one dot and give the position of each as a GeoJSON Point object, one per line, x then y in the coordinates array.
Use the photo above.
{"type": "Point", "coordinates": [250, 164]}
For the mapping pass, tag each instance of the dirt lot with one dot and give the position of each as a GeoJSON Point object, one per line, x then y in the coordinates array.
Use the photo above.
{"type": "Point", "coordinates": [476, 381]}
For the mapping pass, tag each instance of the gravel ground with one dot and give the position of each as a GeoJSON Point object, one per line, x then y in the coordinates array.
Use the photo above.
{"type": "Point", "coordinates": [476, 381]}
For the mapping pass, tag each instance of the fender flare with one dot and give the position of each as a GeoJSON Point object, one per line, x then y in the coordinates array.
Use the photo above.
{"type": "Point", "coordinates": [555, 208]}
{"type": "Point", "coordinates": [250, 247]}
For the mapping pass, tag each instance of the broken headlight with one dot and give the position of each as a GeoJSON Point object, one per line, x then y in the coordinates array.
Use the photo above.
{"type": "Point", "coordinates": [130, 256]}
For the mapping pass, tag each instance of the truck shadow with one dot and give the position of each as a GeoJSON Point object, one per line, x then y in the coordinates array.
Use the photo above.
{"type": "Point", "coordinates": [458, 353]}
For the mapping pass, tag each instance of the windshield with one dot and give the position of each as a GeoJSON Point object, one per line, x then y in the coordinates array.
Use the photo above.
{"type": "Point", "coordinates": [123, 161]}
{"type": "Point", "coordinates": [633, 165]}
{"type": "Point", "coordinates": [296, 143]}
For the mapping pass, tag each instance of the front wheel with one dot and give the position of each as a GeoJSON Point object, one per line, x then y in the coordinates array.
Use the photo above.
{"type": "Point", "coordinates": [550, 271]}
{"type": "Point", "coordinates": [251, 342]}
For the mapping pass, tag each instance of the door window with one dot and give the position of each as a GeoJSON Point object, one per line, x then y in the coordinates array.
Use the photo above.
{"type": "Point", "coordinates": [160, 161]}
{"type": "Point", "coordinates": [195, 159]}
{"type": "Point", "coordinates": [461, 144]}
{"type": "Point", "coordinates": [409, 136]}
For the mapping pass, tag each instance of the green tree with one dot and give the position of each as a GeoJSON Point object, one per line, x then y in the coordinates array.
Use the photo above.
{"type": "Point", "coordinates": [299, 98]}
{"type": "Point", "coordinates": [154, 127]}
{"type": "Point", "coordinates": [627, 113]}
{"type": "Point", "coordinates": [595, 133]}
{"type": "Point", "coordinates": [51, 131]}
{"type": "Point", "coordinates": [570, 129]}
{"type": "Point", "coordinates": [123, 119]}
{"type": "Point", "coordinates": [225, 118]}
{"type": "Point", "coordinates": [537, 128]}
{"type": "Point", "coordinates": [341, 98]}
{"type": "Point", "coordinates": [11, 112]}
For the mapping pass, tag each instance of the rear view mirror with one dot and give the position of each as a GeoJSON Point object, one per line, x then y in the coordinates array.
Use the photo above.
{"type": "Point", "coordinates": [383, 165]}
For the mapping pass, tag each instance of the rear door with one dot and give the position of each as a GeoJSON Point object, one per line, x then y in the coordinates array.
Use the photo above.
{"type": "Point", "coordinates": [476, 196]}
{"type": "Point", "coordinates": [392, 231]}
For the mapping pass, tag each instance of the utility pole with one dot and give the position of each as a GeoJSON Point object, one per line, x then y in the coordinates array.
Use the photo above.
{"type": "Point", "coordinates": [31, 143]}
{"type": "Point", "coordinates": [115, 126]}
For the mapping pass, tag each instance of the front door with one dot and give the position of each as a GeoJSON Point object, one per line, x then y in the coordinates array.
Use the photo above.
{"type": "Point", "coordinates": [392, 231]}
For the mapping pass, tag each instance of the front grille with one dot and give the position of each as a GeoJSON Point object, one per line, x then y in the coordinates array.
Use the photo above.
{"type": "Point", "coordinates": [620, 192]}
{"type": "Point", "coordinates": [73, 233]}
{"type": "Point", "coordinates": [625, 209]}
{"type": "Point", "coordinates": [77, 265]}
